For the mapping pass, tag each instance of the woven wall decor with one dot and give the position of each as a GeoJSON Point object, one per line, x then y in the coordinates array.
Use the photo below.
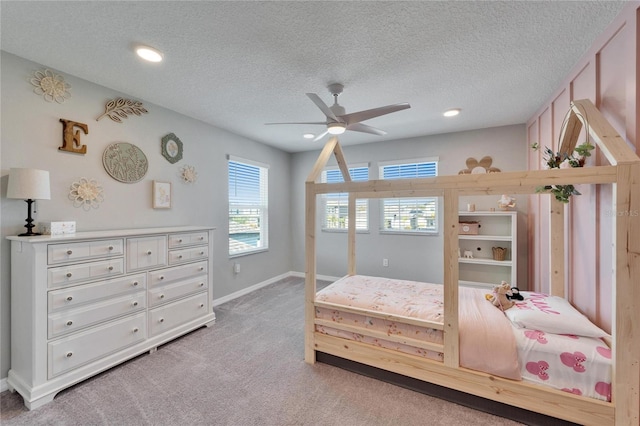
{"type": "Point", "coordinates": [86, 193]}
{"type": "Point", "coordinates": [51, 86]}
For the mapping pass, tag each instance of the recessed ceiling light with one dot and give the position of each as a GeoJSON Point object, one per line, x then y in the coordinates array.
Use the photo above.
{"type": "Point", "coordinates": [452, 112]}
{"type": "Point", "coordinates": [308, 136]}
{"type": "Point", "coordinates": [149, 53]}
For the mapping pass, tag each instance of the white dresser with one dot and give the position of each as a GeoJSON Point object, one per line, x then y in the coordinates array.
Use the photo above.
{"type": "Point", "coordinates": [82, 303]}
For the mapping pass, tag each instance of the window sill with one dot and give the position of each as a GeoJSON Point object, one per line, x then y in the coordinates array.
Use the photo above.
{"type": "Point", "coordinates": [344, 231]}
{"type": "Point", "coordinates": [414, 233]}
{"type": "Point", "coordinates": [248, 252]}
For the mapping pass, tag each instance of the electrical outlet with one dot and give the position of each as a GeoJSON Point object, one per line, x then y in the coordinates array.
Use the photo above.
{"type": "Point", "coordinates": [385, 262]}
{"type": "Point", "coordinates": [236, 268]}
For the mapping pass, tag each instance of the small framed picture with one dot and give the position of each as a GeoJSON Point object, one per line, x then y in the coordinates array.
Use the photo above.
{"type": "Point", "coordinates": [161, 195]}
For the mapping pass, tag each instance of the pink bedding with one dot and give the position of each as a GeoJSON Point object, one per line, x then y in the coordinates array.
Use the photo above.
{"type": "Point", "coordinates": [486, 338]}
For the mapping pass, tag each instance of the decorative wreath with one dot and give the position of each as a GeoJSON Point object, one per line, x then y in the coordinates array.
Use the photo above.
{"type": "Point", "coordinates": [86, 193]}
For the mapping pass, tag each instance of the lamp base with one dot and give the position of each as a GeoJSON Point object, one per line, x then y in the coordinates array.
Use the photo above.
{"type": "Point", "coordinates": [29, 224]}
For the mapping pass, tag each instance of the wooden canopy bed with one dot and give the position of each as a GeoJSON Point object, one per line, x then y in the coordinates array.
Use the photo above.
{"type": "Point", "coordinates": [622, 407]}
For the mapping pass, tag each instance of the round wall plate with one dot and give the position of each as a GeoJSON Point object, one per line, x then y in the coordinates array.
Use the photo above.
{"type": "Point", "coordinates": [172, 148]}
{"type": "Point", "coordinates": [125, 162]}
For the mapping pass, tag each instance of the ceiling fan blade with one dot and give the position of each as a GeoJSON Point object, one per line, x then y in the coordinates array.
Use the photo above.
{"type": "Point", "coordinates": [310, 122]}
{"type": "Point", "coordinates": [323, 107]}
{"type": "Point", "coordinates": [359, 127]}
{"type": "Point", "coordinates": [320, 136]}
{"type": "Point", "coordinates": [356, 117]}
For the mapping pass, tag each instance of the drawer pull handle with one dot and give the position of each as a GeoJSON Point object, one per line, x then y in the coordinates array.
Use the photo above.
{"type": "Point", "coordinates": [135, 303]}
{"type": "Point", "coordinates": [69, 354]}
{"type": "Point", "coordinates": [161, 320]}
{"type": "Point", "coordinates": [201, 253]}
{"type": "Point", "coordinates": [201, 284]}
{"type": "Point", "coordinates": [135, 330]}
{"type": "Point", "coordinates": [162, 277]}
{"type": "Point", "coordinates": [180, 257]}
{"type": "Point", "coordinates": [110, 247]}
{"type": "Point", "coordinates": [69, 322]}
{"type": "Point", "coordinates": [201, 238]}
{"type": "Point", "coordinates": [135, 283]}
{"type": "Point", "coordinates": [69, 298]}
{"type": "Point", "coordinates": [180, 240]}
{"type": "Point", "coordinates": [202, 305]}
{"type": "Point", "coordinates": [201, 268]}
{"type": "Point", "coordinates": [149, 252]}
{"type": "Point", "coordinates": [69, 274]}
{"type": "Point", "coordinates": [162, 296]}
{"type": "Point", "coordinates": [69, 252]}
{"type": "Point", "coordinates": [110, 268]}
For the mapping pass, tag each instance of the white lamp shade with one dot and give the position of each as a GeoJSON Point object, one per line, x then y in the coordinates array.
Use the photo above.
{"type": "Point", "coordinates": [29, 184]}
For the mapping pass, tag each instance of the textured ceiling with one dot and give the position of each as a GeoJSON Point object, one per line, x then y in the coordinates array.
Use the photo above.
{"type": "Point", "coordinates": [240, 64]}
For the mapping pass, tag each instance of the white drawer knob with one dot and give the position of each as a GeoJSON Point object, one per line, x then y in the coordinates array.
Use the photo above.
{"type": "Point", "coordinates": [202, 305]}
{"type": "Point", "coordinates": [69, 354]}
{"type": "Point", "coordinates": [135, 303]}
{"type": "Point", "coordinates": [180, 257]}
{"type": "Point", "coordinates": [180, 240]}
{"type": "Point", "coordinates": [201, 253]}
{"type": "Point", "coordinates": [110, 247]}
{"type": "Point", "coordinates": [69, 322]}
{"type": "Point", "coordinates": [69, 274]}
{"type": "Point", "coordinates": [201, 284]}
{"type": "Point", "coordinates": [201, 238]}
{"type": "Point", "coordinates": [149, 252]}
{"type": "Point", "coordinates": [161, 320]}
{"type": "Point", "coordinates": [162, 277]}
{"type": "Point", "coordinates": [202, 268]}
{"type": "Point", "coordinates": [69, 298]}
{"type": "Point", "coordinates": [69, 252]}
{"type": "Point", "coordinates": [135, 330]}
{"type": "Point", "coordinates": [135, 283]}
{"type": "Point", "coordinates": [110, 268]}
{"type": "Point", "coordinates": [162, 296]}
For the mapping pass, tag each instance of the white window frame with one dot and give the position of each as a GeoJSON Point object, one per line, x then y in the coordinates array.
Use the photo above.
{"type": "Point", "coordinates": [343, 202]}
{"type": "Point", "coordinates": [410, 223]}
{"type": "Point", "coordinates": [260, 206]}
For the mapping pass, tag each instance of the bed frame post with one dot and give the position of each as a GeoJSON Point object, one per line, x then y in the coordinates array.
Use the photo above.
{"type": "Point", "coordinates": [451, 277]}
{"type": "Point", "coordinates": [351, 267]}
{"type": "Point", "coordinates": [626, 287]}
{"type": "Point", "coordinates": [557, 242]}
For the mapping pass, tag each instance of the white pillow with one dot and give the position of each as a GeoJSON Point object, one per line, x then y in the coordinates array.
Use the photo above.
{"type": "Point", "coordinates": [551, 314]}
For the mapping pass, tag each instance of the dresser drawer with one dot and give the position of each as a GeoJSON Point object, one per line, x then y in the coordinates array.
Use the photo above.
{"type": "Point", "coordinates": [187, 254]}
{"type": "Point", "coordinates": [62, 276]}
{"type": "Point", "coordinates": [81, 348]}
{"type": "Point", "coordinates": [188, 239]}
{"type": "Point", "coordinates": [166, 317]}
{"type": "Point", "coordinates": [85, 250]}
{"type": "Point", "coordinates": [146, 252]}
{"type": "Point", "coordinates": [166, 293]}
{"type": "Point", "coordinates": [77, 318]}
{"type": "Point", "coordinates": [176, 273]}
{"type": "Point", "coordinates": [71, 297]}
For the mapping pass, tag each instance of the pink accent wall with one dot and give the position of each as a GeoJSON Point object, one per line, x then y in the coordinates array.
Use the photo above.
{"type": "Point", "coordinates": [607, 75]}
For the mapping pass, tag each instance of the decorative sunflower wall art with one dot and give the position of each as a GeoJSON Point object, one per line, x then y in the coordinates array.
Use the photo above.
{"type": "Point", "coordinates": [86, 193]}
{"type": "Point", "coordinates": [188, 174]}
{"type": "Point", "coordinates": [51, 86]}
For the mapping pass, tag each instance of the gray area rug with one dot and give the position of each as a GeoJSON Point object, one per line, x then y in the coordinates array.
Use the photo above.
{"type": "Point", "coordinates": [248, 369]}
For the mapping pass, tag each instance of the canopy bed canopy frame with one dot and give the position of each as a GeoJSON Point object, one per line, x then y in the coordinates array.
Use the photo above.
{"type": "Point", "coordinates": [623, 174]}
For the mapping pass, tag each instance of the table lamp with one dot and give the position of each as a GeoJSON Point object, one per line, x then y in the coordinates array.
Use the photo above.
{"type": "Point", "coordinates": [28, 185]}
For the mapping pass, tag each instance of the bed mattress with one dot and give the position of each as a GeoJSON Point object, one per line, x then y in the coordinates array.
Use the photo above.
{"type": "Point", "coordinates": [573, 364]}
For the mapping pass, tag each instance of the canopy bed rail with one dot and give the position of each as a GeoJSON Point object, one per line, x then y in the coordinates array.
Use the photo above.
{"type": "Point", "coordinates": [623, 174]}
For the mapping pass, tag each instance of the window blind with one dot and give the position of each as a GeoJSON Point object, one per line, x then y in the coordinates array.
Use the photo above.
{"type": "Point", "coordinates": [335, 205]}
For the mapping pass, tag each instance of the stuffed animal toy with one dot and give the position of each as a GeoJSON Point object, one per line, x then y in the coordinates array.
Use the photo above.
{"type": "Point", "coordinates": [515, 294]}
{"type": "Point", "coordinates": [499, 296]}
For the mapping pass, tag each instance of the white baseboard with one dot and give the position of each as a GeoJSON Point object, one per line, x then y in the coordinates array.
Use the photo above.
{"type": "Point", "coordinates": [3, 385]}
{"type": "Point", "coordinates": [265, 283]}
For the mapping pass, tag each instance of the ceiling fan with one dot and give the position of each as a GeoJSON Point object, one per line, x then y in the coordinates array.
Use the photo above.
{"type": "Point", "coordinates": [338, 121]}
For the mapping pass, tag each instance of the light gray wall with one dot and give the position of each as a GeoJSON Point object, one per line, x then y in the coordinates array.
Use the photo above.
{"type": "Point", "coordinates": [31, 134]}
{"type": "Point", "coordinates": [410, 257]}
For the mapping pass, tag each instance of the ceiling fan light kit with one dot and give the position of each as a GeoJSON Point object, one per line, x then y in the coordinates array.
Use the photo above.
{"type": "Point", "coordinates": [338, 121]}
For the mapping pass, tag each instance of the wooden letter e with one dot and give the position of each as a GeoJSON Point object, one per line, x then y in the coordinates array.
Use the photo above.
{"type": "Point", "coordinates": [70, 140]}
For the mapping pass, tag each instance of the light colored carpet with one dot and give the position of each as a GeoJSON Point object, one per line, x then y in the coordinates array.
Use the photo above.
{"type": "Point", "coordinates": [247, 369]}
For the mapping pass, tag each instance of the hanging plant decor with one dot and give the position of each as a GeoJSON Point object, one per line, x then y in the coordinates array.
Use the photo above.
{"type": "Point", "coordinates": [51, 86]}
{"type": "Point", "coordinates": [120, 108]}
{"type": "Point", "coordinates": [86, 193]}
{"type": "Point", "coordinates": [188, 174]}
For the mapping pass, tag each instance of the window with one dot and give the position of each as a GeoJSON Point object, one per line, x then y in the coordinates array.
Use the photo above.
{"type": "Point", "coordinates": [335, 206]}
{"type": "Point", "coordinates": [248, 206]}
{"type": "Point", "coordinates": [410, 215]}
